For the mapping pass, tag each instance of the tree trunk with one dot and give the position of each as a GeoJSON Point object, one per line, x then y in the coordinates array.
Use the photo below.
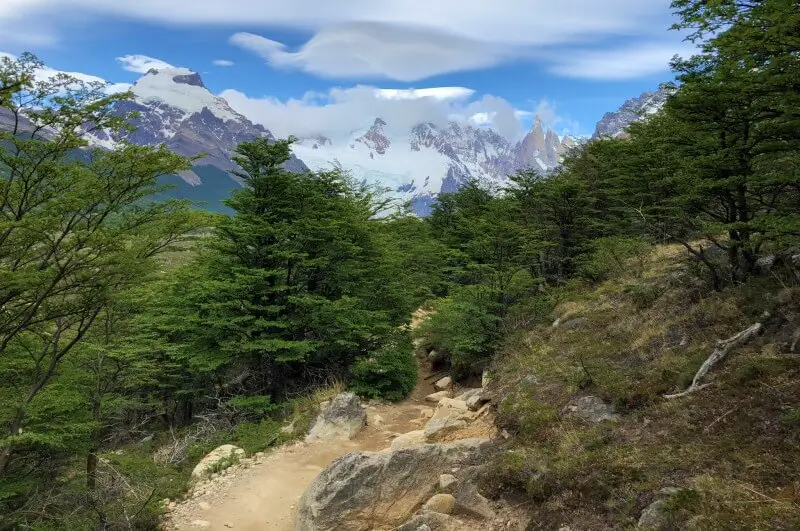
{"type": "Point", "coordinates": [91, 458]}
{"type": "Point", "coordinates": [91, 469]}
{"type": "Point", "coordinates": [16, 426]}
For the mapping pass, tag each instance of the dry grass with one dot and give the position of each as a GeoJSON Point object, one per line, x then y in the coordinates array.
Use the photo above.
{"type": "Point", "coordinates": [732, 447]}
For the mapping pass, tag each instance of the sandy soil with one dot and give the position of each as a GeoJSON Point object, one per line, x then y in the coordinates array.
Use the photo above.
{"type": "Point", "coordinates": [264, 496]}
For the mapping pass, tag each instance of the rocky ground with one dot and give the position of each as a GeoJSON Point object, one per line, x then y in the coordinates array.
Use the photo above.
{"type": "Point", "coordinates": [377, 466]}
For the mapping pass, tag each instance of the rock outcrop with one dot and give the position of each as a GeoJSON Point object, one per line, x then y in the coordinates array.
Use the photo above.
{"type": "Point", "coordinates": [367, 490]}
{"type": "Point", "coordinates": [218, 459]}
{"type": "Point", "coordinates": [341, 418]}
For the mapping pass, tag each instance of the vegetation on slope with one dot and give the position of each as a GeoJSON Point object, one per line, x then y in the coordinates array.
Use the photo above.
{"type": "Point", "coordinates": [110, 333]}
{"type": "Point", "coordinates": [123, 360]}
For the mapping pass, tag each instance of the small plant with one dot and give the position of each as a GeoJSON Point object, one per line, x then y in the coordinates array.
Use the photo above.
{"type": "Point", "coordinates": [222, 464]}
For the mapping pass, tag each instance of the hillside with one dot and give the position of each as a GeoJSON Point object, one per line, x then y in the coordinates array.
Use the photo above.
{"type": "Point", "coordinates": [723, 457]}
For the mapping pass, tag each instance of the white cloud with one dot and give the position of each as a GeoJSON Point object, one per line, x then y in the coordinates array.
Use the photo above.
{"type": "Point", "coordinates": [141, 63]}
{"type": "Point", "coordinates": [222, 62]}
{"type": "Point", "coordinates": [341, 111]}
{"type": "Point", "coordinates": [621, 63]}
{"type": "Point", "coordinates": [18, 29]}
{"type": "Point", "coordinates": [437, 93]}
{"type": "Point", "coordinates": [482, 118]}
{"type": "Point", "coordinates": [398, 39]}
{"type": "Point", "coordinates": [370, 50]}
{"type": "Point", "coordinates": [547, 112]}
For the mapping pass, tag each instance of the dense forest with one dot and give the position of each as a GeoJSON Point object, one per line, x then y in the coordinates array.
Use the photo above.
{"type": "Point", "coordinates": [137, 333]}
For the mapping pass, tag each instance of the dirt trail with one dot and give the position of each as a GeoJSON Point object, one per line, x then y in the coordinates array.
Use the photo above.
{"type": "Point", "coordinates": [264, 496]}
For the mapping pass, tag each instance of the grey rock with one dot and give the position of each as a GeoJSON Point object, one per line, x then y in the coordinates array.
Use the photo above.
{"type": "Point", "coordinates": [470, 502]}
{"type": "Point", "coordinates": [475, 402]}
{"type": "Point", "coordinates": [473, 398]}
{"type": "Point", "coordinates": [576, 323]}
{"type": "Point", "coordinates": [765, 263]}
{"type": "Point", "coordinates": [654, 517]}
{"type": "Point", "coordinates": [592, 409]}
{"type": "Point", "coordinates": [342, 418]}
{"type": "Point", "coordinates": [444, 383]}
{"type": "Point", "coordinates": [367, 490]}
{"type": "Point", "coordinates": [466, 395]}
{"type": "Point", "coordinates": [447, 482]}
{"type": "Point", "coordinates": [440, 503]}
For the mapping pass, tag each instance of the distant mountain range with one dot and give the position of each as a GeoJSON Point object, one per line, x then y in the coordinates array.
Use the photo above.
{"type": "Point", "coordinates": [176, 109]}
{"type": "Point", "coordinates": [430, 160]}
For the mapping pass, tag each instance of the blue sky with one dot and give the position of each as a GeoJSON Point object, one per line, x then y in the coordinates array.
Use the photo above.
{"type": "Point", "coordinates": [301, 65]}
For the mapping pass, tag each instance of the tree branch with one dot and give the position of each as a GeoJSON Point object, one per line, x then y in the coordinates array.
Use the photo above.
{"type": "Point", "coordinates": [720, 351]}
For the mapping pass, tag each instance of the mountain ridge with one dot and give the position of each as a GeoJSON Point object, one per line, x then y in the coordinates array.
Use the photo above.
{"type": "Point", "coordinates": [176, 109]}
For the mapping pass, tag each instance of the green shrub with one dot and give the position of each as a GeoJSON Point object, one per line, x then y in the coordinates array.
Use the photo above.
{"type": "Point", "coordinates": [389, 373]}
{"type": "Point", "coordinates": [616, 256]}
{"type": "Point", "coordinates": [258, 436]}
{"type": "Point", "coordinates": [465, 329]}
{"type": "Point", "coordinates": [253, 407]}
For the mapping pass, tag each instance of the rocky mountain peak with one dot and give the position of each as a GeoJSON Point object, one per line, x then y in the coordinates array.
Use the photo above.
{"type": "Point", "coordinates": [192, 79]}
{"type": "Point", "coordinates": [541, 149]}
{"type": "Point", "coordinates": [375, 138]}
{"type": "Point", "coordinates": [614, 124]}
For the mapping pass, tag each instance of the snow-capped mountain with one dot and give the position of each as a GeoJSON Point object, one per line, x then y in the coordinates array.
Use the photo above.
{"type": "Point", "coordinates": [430, 159]}
{"type": "Point", "coordinates": [614, 124]}
{"type": "Point", "coordinates": [176, 109]}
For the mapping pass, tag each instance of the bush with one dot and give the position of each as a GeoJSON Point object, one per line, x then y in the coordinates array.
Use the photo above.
{"type": "Point", "coordinates": [614, 257]}
{"type": "Point", "coordinates": [464, 328]}
{"type": "Point", "coordinates": [389, 373]}
{"type": "Point", "coordinates": [253, 408]}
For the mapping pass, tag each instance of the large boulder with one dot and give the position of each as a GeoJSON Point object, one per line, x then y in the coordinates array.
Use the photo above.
{"type": "Point", "coordinates": [373, 490]}
{"type": "Point", "coordinates": [218, 459]}
{"type": "Point", "coordinates": [445, 421]}
{"type": "Point", "coordinates": [444, 383]}
{"type": "Point", "coordinates": [407, 440]}
{"type": "Point", "coordinates": [342, 418]}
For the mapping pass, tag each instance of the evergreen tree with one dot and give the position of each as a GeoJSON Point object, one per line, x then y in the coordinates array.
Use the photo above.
{"type": "Point", "coordinates": [76, 228]}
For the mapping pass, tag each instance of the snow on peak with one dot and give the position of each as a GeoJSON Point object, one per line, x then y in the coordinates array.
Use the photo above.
{"type": "Point", "coordinates": [183, 89]}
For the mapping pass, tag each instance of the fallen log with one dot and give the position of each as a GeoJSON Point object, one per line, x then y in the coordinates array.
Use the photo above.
{"type": "Point", "coordinates": [720, 351]}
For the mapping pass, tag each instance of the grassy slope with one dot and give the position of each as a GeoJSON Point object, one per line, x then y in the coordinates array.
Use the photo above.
{"type": "Point", "coordinates": [733, 447]}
